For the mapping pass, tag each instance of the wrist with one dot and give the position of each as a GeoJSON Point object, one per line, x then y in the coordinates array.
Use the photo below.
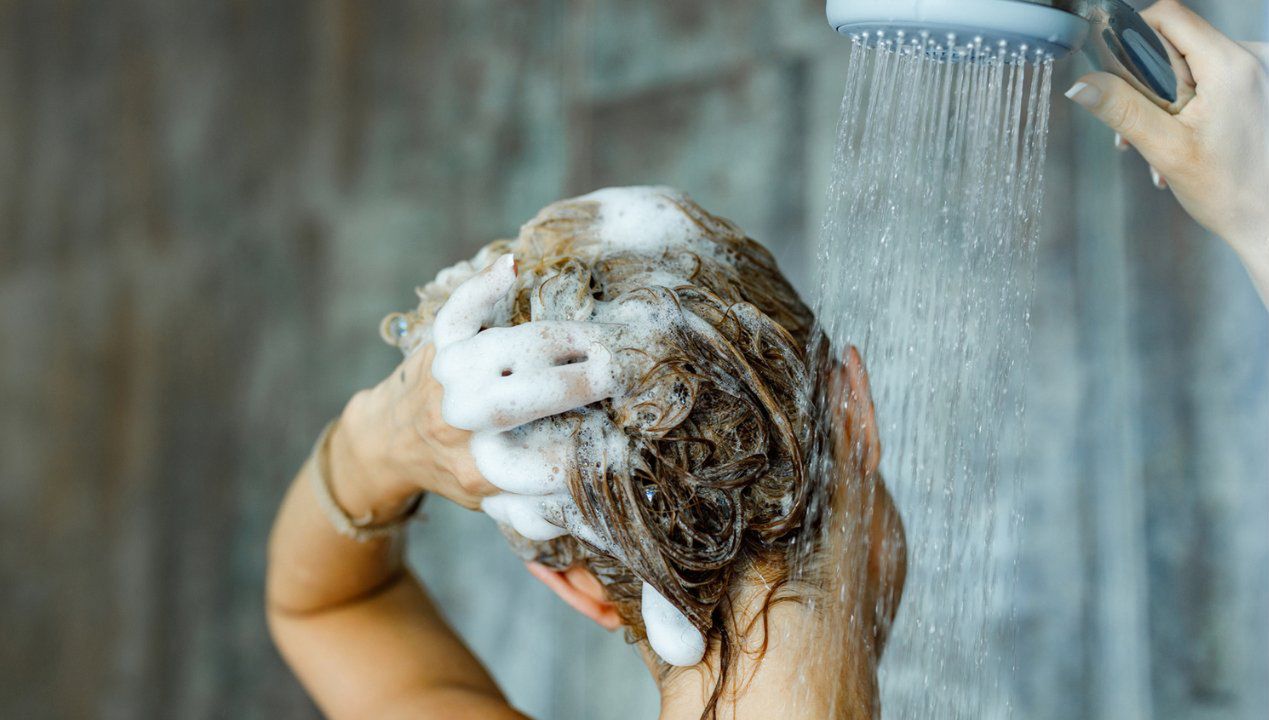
{"type": "Point", "coordinates": [361, 466]}
{"type": "Point", "coordinates": [353, 512]}
{"type": "Point", "coordinates": [1252, 247]}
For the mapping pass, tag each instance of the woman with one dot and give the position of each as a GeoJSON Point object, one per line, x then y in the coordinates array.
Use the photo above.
{"type": "Point", "coordinates": [364, 638]}
{"type": "Point", "coordinates": [628, 398]}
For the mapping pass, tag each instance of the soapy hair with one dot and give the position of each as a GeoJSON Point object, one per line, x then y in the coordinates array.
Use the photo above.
{"type": "Point", "coordinates": [717, 468]}
{"type": "Point", "coordinates": [715, 483]}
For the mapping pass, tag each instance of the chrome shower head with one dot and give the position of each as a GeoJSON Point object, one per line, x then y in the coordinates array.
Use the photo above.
{"type": "Point", "coordinates": [1111, 33]}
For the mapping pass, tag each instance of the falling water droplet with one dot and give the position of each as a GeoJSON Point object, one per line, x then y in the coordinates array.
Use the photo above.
{"type": "Point", "coordinates": [926, 258]}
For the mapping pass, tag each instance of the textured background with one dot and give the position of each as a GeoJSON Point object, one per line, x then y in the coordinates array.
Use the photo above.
{"type": "Point", "coordinates": [206, 208]}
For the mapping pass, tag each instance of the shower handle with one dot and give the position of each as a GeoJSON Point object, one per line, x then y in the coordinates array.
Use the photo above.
{"type": "Point", "coordinates": [1114, 35]}
{"type": "Point", "coordinates": [1121, 42]}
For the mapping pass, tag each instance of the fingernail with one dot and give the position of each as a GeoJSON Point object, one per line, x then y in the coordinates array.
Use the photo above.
{"type": "Point", "coordinates": [1084, 94]}
{"type": "Point", "coordinates": [1119, 142]}
{"type": "Point", "coordinates": [1159, 181]}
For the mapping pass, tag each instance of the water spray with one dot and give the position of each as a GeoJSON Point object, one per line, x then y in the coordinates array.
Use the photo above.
{"type": "Point", "coordinates": [926, 263]}
{"type": "Point", "coordinates": [1110, 32]}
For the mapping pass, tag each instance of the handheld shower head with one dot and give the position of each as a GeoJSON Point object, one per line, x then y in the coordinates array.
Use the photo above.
{"type": "Point", "coordinates": [1111, 33]}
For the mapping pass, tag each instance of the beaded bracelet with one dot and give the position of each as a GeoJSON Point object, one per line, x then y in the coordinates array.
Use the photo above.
{"type": "Point", "coordinates": [361, 529]}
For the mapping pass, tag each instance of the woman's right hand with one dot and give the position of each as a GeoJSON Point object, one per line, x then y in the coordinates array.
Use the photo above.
{"type": "Point", "coordinates": [1214, 154]}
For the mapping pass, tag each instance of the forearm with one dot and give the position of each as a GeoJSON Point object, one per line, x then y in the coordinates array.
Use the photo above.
{"type": "Point", "coordinates": [354, 624]}
{"type": "Point", "coordinates": [311, 566]}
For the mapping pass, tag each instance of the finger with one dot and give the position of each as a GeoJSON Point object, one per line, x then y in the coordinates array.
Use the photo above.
{"type": "Point", "coordinates": [506, 402]}
{"type": "Point", "coordinates": [471, 304]}
{"type": "Point", "coordinates": [533, 459]}
{"type": "Point", "coordinates": [528, 515]}
{"type": "Point", "coordinates": [506, 351]}
{"type": "Point", "coordinates": [540, 518]}
{"type": "Point", "coordinates": [1153, 131]}
{"type": "Point", "coordinates": [1203, 46]}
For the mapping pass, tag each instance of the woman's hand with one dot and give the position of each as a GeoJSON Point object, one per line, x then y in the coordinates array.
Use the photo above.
{"type": "Point", "coordinates": [414, 430]}
{"type": "Point", "coordinates": [1215, 153]}
{"type": "Point", "coordinates": [395, 442]}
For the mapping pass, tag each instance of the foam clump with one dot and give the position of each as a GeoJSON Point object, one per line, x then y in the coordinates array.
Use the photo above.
{"type": "Point", "coordinates": [670, 633]}
{"type": "Point", "coordinates": [504, 377]}
{"type": "Point", "coordinates": [642, 219]}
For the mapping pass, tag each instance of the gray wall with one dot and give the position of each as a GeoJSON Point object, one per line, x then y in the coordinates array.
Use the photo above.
{"type": "Point", "coordinates": [206, 208]}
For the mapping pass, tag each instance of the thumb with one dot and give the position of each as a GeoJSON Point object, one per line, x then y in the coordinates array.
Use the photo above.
{"type": "Point", "coordinates": [1149, 128]}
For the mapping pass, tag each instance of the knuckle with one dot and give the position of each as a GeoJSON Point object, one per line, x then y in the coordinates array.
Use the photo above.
{"type": "Point", "coordinates": [1187, 150]}
{"type": "Point", "coordinates": [471, 485]}
{"type": "Point", "coordinates": [434, 417]}
{"type": "Point", "coordinates": [1125, 117]}
{"type": "Point", "coordinates": [441, 365]}
{"type": "Point", "coordinates": [456, 414]}
{"type": "Point", "coordinates": [1245, 67]}
{"type": "Point", "coordinates": [1190, 155]}
{"type": "Point", "coordinates": [1180, 158]}
{"type": "Point", "coordinates": [1247, 62]}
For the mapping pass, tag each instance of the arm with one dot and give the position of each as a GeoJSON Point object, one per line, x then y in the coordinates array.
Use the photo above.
{"type": "Point", "coordinates": [1215, 153]}
{"type": "Point", "coordinates": [355, 625]}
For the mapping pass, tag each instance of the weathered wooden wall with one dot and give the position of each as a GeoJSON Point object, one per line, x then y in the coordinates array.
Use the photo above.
{"type": "Point", "coordinates": [205, 208]}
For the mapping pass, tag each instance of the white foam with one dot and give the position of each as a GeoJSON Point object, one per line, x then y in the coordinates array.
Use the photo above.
{"type": "Point", "coordinates": [472, 303]}
{"type": "Point", "coordinates": [480, 397]}
{"type": "Point", "coordinates": [643, 219]}
{"type": "Point", "coordinates": [531, 465]}
{"type": "Point", "coordinates": [529, 515]}
{"type": "Point", "coordinates": [503, 377]}
{"type": "Point", "coordinates": [533, 459]}
{"type": "Point", "coordinates": [671, 635]}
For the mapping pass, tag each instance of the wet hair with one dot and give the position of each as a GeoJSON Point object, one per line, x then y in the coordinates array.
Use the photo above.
{"type": "Point", "coordinates": [715, 486]}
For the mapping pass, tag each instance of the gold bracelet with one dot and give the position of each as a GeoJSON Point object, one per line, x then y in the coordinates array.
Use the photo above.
{"type": "Point", "coordinates": [361, 529]}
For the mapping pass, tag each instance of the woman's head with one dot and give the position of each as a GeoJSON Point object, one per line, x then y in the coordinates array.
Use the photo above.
{"type": "Point", "coordinates": [695, 480]}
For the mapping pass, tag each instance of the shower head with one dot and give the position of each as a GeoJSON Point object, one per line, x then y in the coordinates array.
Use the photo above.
{"type": "Point", "coordinates": [1110, 32]}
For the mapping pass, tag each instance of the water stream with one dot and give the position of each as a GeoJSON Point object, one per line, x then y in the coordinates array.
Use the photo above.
{"type": "Point", "coordinates": [926, 260]}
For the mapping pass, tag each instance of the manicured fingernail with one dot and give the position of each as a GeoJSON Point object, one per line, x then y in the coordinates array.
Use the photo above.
{"type": "Point", "coordinates": [1159, 181]}
{"type": "Point", "coordinates": [1119, 142]}
{"type": "Point", "coordinates": [1084, 94]}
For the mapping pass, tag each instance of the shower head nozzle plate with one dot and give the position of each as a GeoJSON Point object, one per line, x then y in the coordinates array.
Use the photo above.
{"type": "Point", "coordinates": [1015, 22]}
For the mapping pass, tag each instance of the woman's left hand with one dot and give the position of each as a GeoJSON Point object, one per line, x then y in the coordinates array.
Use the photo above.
{"type": "Point", "coordinates": [394, 439]}
{"type": "Point", "coordinates": [413, 431]}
